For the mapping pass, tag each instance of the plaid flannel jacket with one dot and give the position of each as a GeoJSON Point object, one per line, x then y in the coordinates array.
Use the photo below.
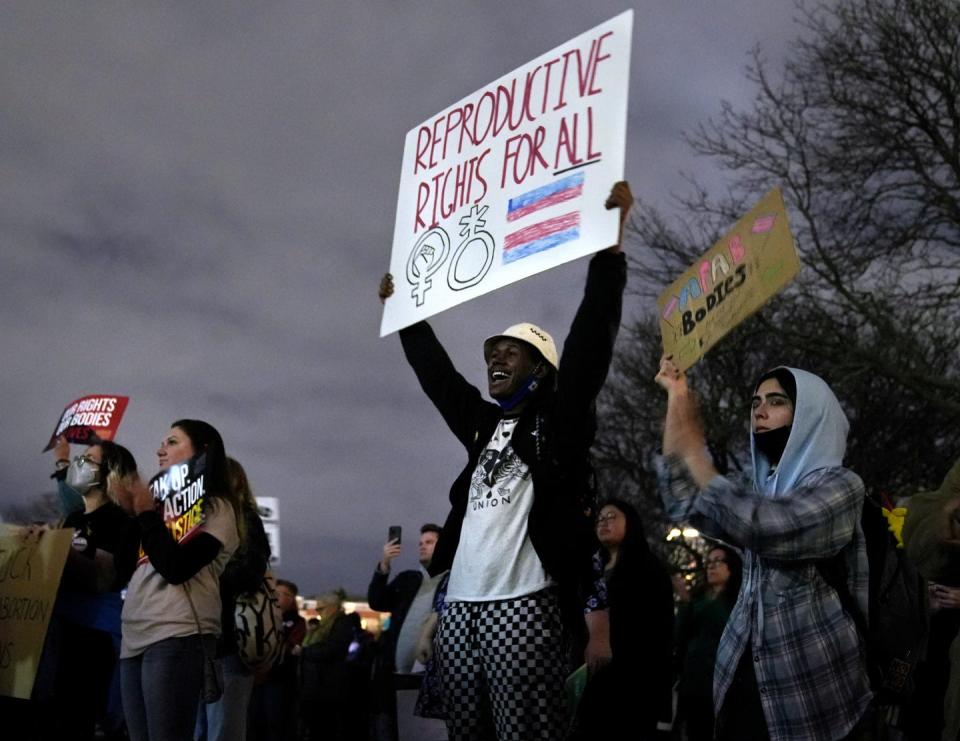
{"type": "Point", "coordinates": [810, 669]}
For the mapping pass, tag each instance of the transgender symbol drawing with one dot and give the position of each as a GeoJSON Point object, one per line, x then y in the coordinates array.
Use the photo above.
{"type": "Point", "coordinates": [476, 243]}
{"type": "Point", "coordinates": [425, 259]}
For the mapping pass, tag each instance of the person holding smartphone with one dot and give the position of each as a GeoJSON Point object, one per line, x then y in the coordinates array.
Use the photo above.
{"type": "Point", "coordinates": [408, 599]}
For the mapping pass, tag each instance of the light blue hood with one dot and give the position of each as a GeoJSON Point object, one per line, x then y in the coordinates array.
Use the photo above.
{"type": "Point", "coordinates": [818, 438]}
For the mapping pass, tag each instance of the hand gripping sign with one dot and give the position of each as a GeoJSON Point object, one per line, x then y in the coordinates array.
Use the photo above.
{"type": "Point", "coordinates": [178, 493]}
{"type": "Point", "coordinates": [89, 419]}
{"type": "Point", "coordinates": [748, 266]}
{"type": "Point", "coordinates": [511, 180]}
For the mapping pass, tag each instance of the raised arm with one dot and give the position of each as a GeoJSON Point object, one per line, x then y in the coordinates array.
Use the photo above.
{"type": "Point", "coordinates": [459, 402]}
{"type": "Point", "coordinates": [381, 595]}
{"type": "Point", "coordinates": [175, 562]}
{"type": "Point", "coordinates": [814, 520]}
{"type": "Point", "coordinates": [588, 349]}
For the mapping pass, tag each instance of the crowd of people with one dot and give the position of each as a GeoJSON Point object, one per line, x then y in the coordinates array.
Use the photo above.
{"type": "Point", "coordinates": [527, 579]}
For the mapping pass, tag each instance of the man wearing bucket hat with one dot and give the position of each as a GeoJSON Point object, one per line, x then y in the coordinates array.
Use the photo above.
{"type": "Point", "coordinates": [517, 538]}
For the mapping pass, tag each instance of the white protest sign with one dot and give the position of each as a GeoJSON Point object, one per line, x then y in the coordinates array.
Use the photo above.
{"type": "Point", "coordinates": [269, 508]}
{"type": "Point", "coordinates": [272, 529]}
{"type": "Point", "coordinates": [511, 180]}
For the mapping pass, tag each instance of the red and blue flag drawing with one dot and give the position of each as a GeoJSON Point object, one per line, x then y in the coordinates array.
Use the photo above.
{"type": "Point", "coordinates": [547, 233]}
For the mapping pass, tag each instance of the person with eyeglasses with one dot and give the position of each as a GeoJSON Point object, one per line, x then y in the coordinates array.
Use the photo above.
{"type": "Point", "coordinates": [85, 632]}
{"type": "Point", "coordinates": [629, 615]}
{"type": "Point", "coordinates": [790, 665]}
{"type": "Point", "coordinates": [701, 617]}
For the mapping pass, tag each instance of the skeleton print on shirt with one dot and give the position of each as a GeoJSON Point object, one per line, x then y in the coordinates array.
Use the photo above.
{"type": "Point", "coordinates": [499, 471]}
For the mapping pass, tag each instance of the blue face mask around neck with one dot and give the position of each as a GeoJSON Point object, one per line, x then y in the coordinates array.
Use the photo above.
{"type": "Point", "coordinates": [522, 393]}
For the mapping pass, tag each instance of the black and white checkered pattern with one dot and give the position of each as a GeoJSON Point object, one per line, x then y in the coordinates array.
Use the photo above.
{"type": "Point", "coordinates": [502, 669]}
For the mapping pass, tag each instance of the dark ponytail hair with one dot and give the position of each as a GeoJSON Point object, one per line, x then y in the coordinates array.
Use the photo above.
{"type": "Point", "coordinates": [114, 459]}
{"type": "Point", "coordinates": [205, 439]}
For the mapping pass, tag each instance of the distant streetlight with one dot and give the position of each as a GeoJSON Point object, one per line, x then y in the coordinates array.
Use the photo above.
{"type": "Point", "coordinates": [687, 532]}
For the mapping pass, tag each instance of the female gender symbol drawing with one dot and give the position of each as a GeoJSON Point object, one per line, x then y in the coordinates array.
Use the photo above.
{"type": "Point", "coordinates": [476, 252]}
{"type": "Point", "coordinates": [425, 259]}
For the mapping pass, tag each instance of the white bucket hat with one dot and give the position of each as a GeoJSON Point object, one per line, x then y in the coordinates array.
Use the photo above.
{"type": "Point", "coordinates": [541, 341]}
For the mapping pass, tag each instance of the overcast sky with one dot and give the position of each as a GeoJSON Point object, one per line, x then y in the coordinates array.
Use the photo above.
{"type": "Point", "coordinates": [197, 203]}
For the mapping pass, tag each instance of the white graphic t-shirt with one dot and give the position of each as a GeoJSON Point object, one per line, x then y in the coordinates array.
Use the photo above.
{"type": "Point", "coordinates": [495, 559]}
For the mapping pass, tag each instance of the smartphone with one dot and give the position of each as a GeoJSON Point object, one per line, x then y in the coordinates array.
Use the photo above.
{"type": "Point", "coordinates": [394, 534]}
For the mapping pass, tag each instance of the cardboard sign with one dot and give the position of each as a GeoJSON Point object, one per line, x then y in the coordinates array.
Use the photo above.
{"type": "Point", "coordinates": [89, 419]}
{"type": "Point", "coordinates": [511, 180]}
{"type": "Point", "coordinates": [31, 564]}
{"type": "Point", "coordinates": [178, 493]}
{"type": "Point", "coordinates": [734, 278]}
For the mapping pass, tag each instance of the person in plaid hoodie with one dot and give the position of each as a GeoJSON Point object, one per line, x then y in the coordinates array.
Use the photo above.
{"type": "Point", "coordinates": [790, 666]}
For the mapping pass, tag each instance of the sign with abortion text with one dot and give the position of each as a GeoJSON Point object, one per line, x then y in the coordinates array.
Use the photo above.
{"type": "Point", "coordinates": [31, 564]}
{"type": "Point", "coordinates": [90, 418]}
{"type": "Point", "coordinates": [748, 266]}
{"type": "Point", "coordinates": [512, 180]}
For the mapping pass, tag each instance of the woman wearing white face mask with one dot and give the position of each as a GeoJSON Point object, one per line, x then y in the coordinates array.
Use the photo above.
{"type": "Point", "coordinates": [87, 627]}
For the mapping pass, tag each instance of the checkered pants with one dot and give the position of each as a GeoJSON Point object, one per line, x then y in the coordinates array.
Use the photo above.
{"type": "Point", "coordinates": [502, 669]}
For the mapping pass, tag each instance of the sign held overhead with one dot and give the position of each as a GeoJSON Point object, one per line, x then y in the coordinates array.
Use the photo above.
{"type": "Point", "coordinates": [747, 267]}
{"type": "Point", "coordinates": [511, 180]}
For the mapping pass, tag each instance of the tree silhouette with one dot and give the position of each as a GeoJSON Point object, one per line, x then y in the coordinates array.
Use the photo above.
{"type": "Point", "coordinates": [861, 130]}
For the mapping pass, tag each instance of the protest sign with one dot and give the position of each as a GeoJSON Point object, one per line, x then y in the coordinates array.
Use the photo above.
{"type": "Point", "coordinates": [734, 278]}
{"type": "Point", "coordinates": [269, 509]}
{"type": "Point", "coordinates": [178, 493]}
{"type": "Point", "coordinates": [90, 418]}
{"type": "Point", "coordinates": [272, 529]}
{"type": "Point", "coordinates": [31, 564]}
{"type": "Point", "coordinates": [511, 180]}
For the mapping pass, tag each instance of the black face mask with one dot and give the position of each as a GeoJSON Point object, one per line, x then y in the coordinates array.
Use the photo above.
{"type": "Point", "coordinates": [772, 442]}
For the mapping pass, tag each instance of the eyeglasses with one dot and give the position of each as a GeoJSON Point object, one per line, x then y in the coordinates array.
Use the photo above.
{"type": "Point", "coordinates": [86, 460]}
{"type": "Point", "coordinates": [607, 517]}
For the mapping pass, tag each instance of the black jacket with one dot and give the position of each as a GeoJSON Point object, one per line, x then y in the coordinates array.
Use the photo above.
{"type": "Point", "coordinates": [395, 598]}
{"type": "Point", "coordinates": [553, 435]}
{"type": "Point", "coordinates": [636, 689]}
{"type": "Point", "coordinates": [323, 666]}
